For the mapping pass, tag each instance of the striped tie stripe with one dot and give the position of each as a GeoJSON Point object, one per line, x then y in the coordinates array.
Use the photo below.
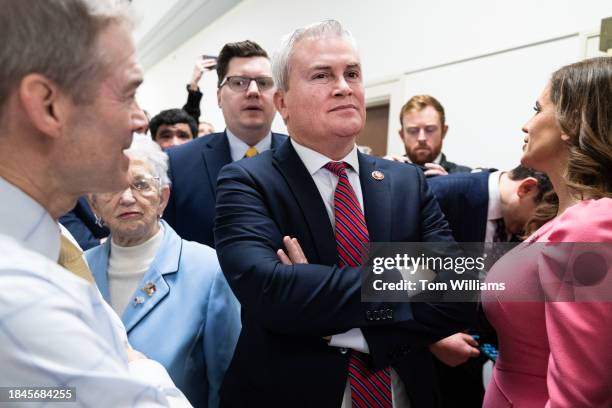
{"type": "Point", "coordinates": [348, 247]}
{"type": "Point", "coordinates": [368, 389]}
{"type": "Point", "coordinates": [376, 381]}
{"type": "Point", "coordinates": [350, 214]}
{"type": "Point", "coordinates": [359, 235]}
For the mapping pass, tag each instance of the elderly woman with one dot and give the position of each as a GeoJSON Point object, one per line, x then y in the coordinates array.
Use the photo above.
{"type": "Point", "coordinates": [170, 293]}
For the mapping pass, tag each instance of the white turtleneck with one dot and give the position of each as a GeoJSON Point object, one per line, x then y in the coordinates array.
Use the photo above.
{"type": "Point", "coordinates": [127, 266]}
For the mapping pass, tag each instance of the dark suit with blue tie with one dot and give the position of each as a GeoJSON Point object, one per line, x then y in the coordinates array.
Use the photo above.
{"type": "Point", "coordinates": [194, 168]}
{"type": "Point", "coordinates": [281, 358]}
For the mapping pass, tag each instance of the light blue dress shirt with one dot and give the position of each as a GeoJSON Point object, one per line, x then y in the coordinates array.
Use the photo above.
{"type": "Point", "coordinates": [55, 328]}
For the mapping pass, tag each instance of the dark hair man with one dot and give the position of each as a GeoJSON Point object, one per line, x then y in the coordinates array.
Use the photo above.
{"type": "Point", "coordinates": [476, 203]}
{"type": "Point", "coordinates": [172, 127]}
{"type": "Point", "coordinates": [245, 95]}
{"type": "Point", "coordinates": [483, 206]}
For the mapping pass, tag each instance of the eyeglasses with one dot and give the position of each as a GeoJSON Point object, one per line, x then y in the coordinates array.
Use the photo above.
{"type": "Point", "coordinates": [141, 185]}
{"type": "Point", "coordinates": [144, 184]}
{"type": "Point", "coordinates": [242, 83]}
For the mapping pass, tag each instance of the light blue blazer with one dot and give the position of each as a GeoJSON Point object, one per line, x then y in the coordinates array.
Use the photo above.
{"type": "Point", "coordinates": [190, 323]}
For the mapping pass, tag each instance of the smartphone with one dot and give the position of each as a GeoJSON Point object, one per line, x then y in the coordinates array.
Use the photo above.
{"type": "Point", "coordinates": [210, 57]}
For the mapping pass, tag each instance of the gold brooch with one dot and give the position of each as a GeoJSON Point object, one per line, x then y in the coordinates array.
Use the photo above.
{"type": "Point", "coordinates": [149, 288]}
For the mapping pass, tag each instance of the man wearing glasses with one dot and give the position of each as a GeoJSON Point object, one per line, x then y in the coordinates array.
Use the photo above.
{"type": "Point", "coordinates": [245, 95]}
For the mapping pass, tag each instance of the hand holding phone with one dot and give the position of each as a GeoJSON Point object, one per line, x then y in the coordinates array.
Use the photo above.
{"type": "Point", "coordinates": [203, 64]}
{"type": "Point", "coordinates": [209, 61]}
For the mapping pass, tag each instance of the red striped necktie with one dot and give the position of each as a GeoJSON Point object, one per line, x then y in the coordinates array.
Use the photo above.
{"type": "Point", "coordinates": [368, 388]}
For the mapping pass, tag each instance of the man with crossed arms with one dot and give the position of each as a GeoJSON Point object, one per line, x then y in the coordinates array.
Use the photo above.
{"type": "Point", "coordinates": [307, 339]}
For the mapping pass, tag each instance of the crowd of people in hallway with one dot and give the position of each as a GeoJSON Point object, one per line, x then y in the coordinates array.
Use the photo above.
{"type": "Point", "coordinates": [226, 269]}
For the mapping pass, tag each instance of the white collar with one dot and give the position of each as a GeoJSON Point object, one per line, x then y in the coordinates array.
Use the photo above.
{"type": "Point", "coordinates": [24, 219]}
{"type": "Point", "coordinates": [314, 160]}
{"type": "Point", "coordinates": [238, 147]}
{"type": "Point", "coordinates": [494, 211]}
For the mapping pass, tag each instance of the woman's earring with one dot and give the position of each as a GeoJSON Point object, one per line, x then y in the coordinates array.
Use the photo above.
{"type": "Point", "coordinates": [99, 221]}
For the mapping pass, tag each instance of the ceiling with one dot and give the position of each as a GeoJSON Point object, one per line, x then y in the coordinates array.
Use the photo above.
{"type": "Point", "coordinates": [163, 25]}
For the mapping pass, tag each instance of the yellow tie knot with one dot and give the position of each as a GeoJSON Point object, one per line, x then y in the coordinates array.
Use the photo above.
{"type": "Point", "coordinates": [71, 258]}
{"type": "Point", "coordinates": [251, 151]}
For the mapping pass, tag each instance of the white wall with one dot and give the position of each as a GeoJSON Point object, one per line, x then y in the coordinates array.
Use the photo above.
{"type": "Point", "coordinates": [488, 99]}
{"type": "Point", "coordinates": [485, 60]}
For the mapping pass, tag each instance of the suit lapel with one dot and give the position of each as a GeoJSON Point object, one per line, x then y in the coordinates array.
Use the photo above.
{"type": "Point", "coordinates": [307, 196]}
{"type": "Point", "coordinates": [443, 161]}
{"type": "Point", "coordinates": [99, 269]}
{"type": "Point", "coordinates": [216, 155]}
{"type": "Point", "coordinates": [277, 140]}
{"type": "Point", "coordinates": [376, 202]}
{"type": "Point", "coordinates": [166, 262]}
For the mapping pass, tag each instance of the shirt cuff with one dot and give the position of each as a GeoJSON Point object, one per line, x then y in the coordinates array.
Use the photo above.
{"type": "Point", "coordinates": [152, 373]}
{"type": "Point", "coordinates": [196, 92]}
{"type": "Point", "coordinates": [352, 339]}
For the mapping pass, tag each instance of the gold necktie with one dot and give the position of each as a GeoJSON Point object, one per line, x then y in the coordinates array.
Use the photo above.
{"type": "Point", "coordinates": [71, 258]}
{"type": "Point", "coordinates": [251, 151]}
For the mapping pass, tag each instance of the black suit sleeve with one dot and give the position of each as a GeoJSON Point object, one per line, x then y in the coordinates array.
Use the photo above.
{"type": "Point", "coordinates": [192, 106]}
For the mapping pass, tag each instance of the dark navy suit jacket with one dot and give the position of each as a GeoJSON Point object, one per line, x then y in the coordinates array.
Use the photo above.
{"type": "Point", "coordinates": [464, 200]}
{"type": "Point", "coordinates": [281, 358]}
{"type": "Point", "coordinates": [81, 223]}
{"type": "Point", "coordinates": [451, 167]}
{"type": "Point", "coordinates": [194, 168]}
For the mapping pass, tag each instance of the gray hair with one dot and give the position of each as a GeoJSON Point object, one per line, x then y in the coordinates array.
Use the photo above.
{"type": "Point", "coordinates": [145, 149]}
{"type": "Point", "coordinates": [281, 58]}
{"type": "Point", "coordinates": [57, 39]}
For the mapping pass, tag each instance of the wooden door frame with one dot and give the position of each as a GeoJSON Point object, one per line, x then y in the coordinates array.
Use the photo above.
{"type": "Point", "coordinates": [389, 91]}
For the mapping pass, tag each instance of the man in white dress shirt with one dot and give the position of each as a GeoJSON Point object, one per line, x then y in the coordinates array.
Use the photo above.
{"type": "Point", "coordinates": [68, 76]}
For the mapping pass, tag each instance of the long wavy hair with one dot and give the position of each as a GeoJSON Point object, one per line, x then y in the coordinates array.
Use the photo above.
{"type": "Point", "coordinates": [582, 95]}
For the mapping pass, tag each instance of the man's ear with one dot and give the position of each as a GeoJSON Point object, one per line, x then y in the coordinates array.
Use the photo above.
{"type": "Point", "coordinates": [219, 98]}
{"type": "Point", "coordinates": [444, 130]}
{"type": "Point", "coordinates": [281, 105]}
{"type": "Point", "coordinates": [527, 186]}
{"type": "Point", "coordinates": [43, 103]}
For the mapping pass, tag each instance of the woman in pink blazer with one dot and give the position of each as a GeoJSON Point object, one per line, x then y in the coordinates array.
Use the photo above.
{"type": "Point", "coordinates": [554, 319]}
